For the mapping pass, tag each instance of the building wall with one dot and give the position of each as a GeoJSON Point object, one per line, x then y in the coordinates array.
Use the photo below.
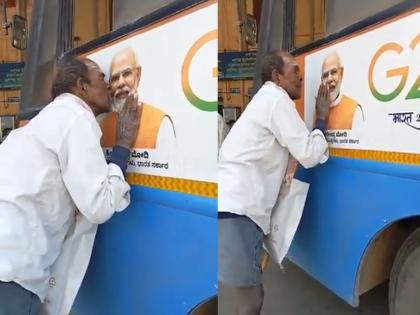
{"type": "Point", "coordinates": [309, 25]}
{"type": "Point", "coordinates": [92, 18]}
{"type": "Point", "coordinates": [234, 92]}
{"type": "Point", "coordinates": [10, 54]}
{"type": "Point", "coordinates": [309, 21]}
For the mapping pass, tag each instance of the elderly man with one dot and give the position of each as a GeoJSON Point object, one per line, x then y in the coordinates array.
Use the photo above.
{"type": "Point", "coordinates": [252, 165]}
{"type": "Point", "coordinates": [51, 169]}
{"type": "Point", "coordinates": [344, 112]}
{"type": "Point", "coordinates": [124, 77]}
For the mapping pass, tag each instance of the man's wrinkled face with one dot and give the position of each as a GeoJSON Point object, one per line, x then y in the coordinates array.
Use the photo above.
{"type": "Point", "coordinates": [292, 77]}
{"type": "Point", "coordinates": [332, 75]}
{"type": "Point", "coordinates": [97, 94]}
{"type": "Point", "coordinates": [124, 77]}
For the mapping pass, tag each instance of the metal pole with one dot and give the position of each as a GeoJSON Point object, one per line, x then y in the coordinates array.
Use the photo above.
{"type": "Point", "coordinates": [65, 27]}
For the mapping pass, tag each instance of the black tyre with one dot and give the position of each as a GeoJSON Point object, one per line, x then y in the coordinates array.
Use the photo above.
{"type": "Point", "coordinates": [404, 283]}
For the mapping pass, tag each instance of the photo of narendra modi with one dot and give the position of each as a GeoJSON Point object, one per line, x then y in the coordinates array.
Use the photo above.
{"type": "Point", "coordinates": [171, 80]}
{"type": "Point", "coordinates": [125, 77]}
{"type": "Point", "coordinates": [345, 112]}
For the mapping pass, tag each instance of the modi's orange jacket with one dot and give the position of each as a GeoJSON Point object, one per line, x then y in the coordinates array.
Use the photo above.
{"type": "Point", "coordinates": [150, 122]}
{"type": "Point", "coordinates": [341, 115]}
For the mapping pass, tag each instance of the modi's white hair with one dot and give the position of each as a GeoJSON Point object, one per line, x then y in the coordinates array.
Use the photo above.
{"type": "Point", "coordinates": [333, 54]}
{"type": "Point", "coordinates": [125, 50]}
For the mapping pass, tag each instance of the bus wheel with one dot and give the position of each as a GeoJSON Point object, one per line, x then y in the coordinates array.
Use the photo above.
{"type": "Point", "coordinates": [404, 283]}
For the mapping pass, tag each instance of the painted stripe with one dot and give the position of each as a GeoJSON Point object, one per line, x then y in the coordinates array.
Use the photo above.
{"type": "Point", "coordinates": [188, 186]}
{"type": "Point", "coordinates": [379, 156]}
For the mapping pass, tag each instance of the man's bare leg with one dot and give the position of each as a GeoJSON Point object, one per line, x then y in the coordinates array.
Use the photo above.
{"type": "Point", "coordinates": [249, 300]}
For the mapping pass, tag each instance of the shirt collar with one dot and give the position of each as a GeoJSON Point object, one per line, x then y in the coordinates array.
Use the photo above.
{"type": "Point", "coordinates": [271, 84]}
{"type": "Point", "coordinates": [337, 100]}
{"type": "Point", "coordinates": [76, 99]}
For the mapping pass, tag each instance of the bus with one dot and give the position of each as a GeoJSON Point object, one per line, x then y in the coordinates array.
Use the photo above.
{"type": "Point", "coordinates": [361, 222]}
{"type": "Point", "coordinates": [159, 255]}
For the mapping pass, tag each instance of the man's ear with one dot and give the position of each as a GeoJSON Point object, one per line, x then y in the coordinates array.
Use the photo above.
{"type": "Point", "coordinates": [81, 86]}
{"type": "Point", "coordinates": [275, 76]}
{"type": "Point", "coordinates": [138, 68]}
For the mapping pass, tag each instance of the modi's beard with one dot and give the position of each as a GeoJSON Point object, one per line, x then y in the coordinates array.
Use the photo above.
{"type": "Point", "coordinates": [335, 93]}
{"type": "Point", "coordinates": [117, 104]}
{"type": "Point", "coordinates": [119, 98]}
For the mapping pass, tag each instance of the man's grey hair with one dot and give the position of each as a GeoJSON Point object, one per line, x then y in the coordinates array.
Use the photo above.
{"type": "Point", "coordinates": [273, 60]}
{"type": "Point", "coordinates": [69, 69]}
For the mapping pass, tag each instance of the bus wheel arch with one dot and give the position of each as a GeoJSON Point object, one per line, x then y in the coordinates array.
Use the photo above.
{"type": "Point", "coordinates": [206, 307]}
{"type": "Point", "coordinates": [379, 256]}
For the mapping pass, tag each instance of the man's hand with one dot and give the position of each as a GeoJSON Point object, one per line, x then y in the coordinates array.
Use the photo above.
{"type": "Point", "coordinates": [322, 104]}
{"type": "Point", "coordinates": [129, 121]}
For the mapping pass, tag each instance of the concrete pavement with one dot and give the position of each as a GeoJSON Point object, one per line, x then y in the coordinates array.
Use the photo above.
{"type": "Point", "coordinates": [293, 292]}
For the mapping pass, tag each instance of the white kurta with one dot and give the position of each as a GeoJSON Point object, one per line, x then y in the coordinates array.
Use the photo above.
{"type": "Point", "coordinates": [254, 156]}
{"type": "Point", "coordinates": [48, 169]}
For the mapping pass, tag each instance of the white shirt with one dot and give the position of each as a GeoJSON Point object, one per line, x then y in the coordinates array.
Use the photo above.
{"type": "Point", "coordinates": [254, 156]}
{"type": "Point", "coordinates": [166, 133]}
{"type": "Point", "coordinates": [166, 154]}
{"type": "Point", "coordinates": [48, 169]}
{"type": "Point", "coordinates": [222, 129]}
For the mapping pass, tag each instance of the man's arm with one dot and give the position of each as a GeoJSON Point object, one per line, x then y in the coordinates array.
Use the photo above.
{"type": "Point", "coordinates": [127, 129]}
{"type": "Point", "coordinates": [98, 189]}
{"type": "Point", "coordinates": [308, 148]}
{"type": "Point", "coordinates": [119, 156]}
{"type": "Point", "coordinates": [322, 107]}
{"type": "Point", "coordinates": [320, 124]}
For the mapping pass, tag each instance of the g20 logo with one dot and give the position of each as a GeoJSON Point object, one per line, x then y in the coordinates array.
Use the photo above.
{"type": "Point", "coordinates": [401, 72]}
{"type": "Point", "coordinates": [185, 77]}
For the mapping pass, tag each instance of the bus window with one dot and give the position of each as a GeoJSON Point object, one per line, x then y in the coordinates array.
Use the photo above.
{"type": "Point", "coordinates": [309, 21]}
{"type": "Point", "coordinates": [319, 18]}
{"type": "Point", "coordinates": [92, 18]}
{"type": "Point", "coordinates": [127, 11]}
{"type": "Point", "coordinates": [340, 13]}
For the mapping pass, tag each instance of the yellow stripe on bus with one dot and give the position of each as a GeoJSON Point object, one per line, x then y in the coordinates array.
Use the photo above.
{"type": "Point", "coordinates": [379, 156]}
{"type": "Point", "coordinates": [188, 186]}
